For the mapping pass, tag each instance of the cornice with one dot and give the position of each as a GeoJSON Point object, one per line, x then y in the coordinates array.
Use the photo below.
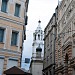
{"type": "Point", "coordinates": [69, 43]}
{"type": "Point", "coordinates": [11, 20]}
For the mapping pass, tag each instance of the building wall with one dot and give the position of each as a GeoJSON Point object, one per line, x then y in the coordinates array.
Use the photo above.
{"type": "Point", "coordinates": [37, 68]}
{"type": "Point", "coordinates": [10, 23]}
{"type": "Point", "coordinates": [49, 42]}
{"type": "Point", "coordinates": [65, 38]}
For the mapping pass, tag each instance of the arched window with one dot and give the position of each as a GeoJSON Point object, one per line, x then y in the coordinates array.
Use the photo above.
{"type": "Point", "coordinates": [66, 64]}
{"type": "Point", "coordinates": [41, 37]}
{"type": "Point", "coordinates": [35, 37]}
{"type": "Point", "coordinates": [38, 37]}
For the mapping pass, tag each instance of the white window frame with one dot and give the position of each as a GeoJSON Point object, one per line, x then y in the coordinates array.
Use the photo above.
{"type": "Point", "coordinates": [12, 58]}
{"type": "Point", "coordinates": [6, 8]}
{"type": "Point", "coordinates": [17, 37]}
{"type": "Point", "coordinates": [19, 10]}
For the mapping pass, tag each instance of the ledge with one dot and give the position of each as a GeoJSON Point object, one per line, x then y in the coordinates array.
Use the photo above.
{"type": "Point", "coordinates": [69, 43]}
{"type": "Point", "coordinates": [1, 42]}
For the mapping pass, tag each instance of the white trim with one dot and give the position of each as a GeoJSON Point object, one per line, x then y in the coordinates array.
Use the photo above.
{"type": "Point", "coordinates": [7, 6]}
{"type": "Point", "coordinates": [2, 56]}
{"type": "Point", "coordinates": [11, 20]}
{"type": "Point", "coordinates": [5, 33]}
{"type": "Point", "coordinates": [0, 5]}
{"type": "Point", "coordinates": [18, 37]}
{"type": "Point", "coordinates": [10, 52]}
{"type": "Point", "coordinates": [7, 9]}
{"type": "Point", "coordinates": [4, 39]}
{"type": "Point", "coordinates": [10, 37]}
{"type": "Point", "coordinates": [18, 41]}
{"type": "Point", "coordinates": [20, 10]}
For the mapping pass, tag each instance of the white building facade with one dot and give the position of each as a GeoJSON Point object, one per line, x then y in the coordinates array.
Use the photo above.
{"type": "Point", "coordinates": [36, 64]}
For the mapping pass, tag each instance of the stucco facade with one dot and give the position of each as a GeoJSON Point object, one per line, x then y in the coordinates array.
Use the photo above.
{"type": "Point", "coordinates": [10, 23]}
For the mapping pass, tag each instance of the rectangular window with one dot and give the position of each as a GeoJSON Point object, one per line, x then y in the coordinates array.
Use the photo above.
{"type": "Point", "coordinates": [17, 10]}
{"type": "Point", "coordinates": [14, 38]}
{"type": "Point", "coordinates": [4, 6]}
{"type": "Point", "coordinates": [10, 61]}
{"type": "Point", "coordinates": [1, 34]}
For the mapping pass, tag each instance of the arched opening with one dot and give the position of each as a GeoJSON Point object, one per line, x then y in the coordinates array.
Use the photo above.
{"type": "Point", "coordinates": [38, 37]}
{"type": "Point", "coordinates": [66, 64]}
{"type": "Point", "coordinates": [41, 37]}
{"type": "Point", "coordinates": [35, 37]}
{"type": "Point", "coordinates": [66, 58]}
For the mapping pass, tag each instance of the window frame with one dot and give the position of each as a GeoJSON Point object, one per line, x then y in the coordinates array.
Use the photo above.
{"type": "Point", "coordinates": [3, 35]}
{"type": "Point", "coordinates": [19, 10]}
{"type": "Point", "coordinates": [38, 36]}
{"type": "Point", "coordinates": [16, 37]}
{"type": "Point", "coordinates": [5, 11]}
{"type": "Point", "coordinates": [11, 59]}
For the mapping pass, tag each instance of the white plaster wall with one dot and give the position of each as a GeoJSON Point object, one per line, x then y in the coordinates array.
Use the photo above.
{"type": "Point", "coordinates": [37, 68]}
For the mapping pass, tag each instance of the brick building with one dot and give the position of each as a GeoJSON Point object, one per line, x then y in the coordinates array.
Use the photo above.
{"type": "Point", "coordinates": [65, 42]}
{"type": "Point", "coordinates": [49, 46]}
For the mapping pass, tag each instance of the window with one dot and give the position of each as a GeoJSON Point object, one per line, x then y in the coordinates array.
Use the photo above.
{"type": "Point", "coordinates": [4, 5]}
{"type": "Point", "coordinates": [35, 36]}
{"type": "Point", "coordinates": [39, 30]}
{"type": "Point", "coordinates": [14, 38]}
{"type": "Point", "coordinates": [41, 37]}
{"type": "Point", "coordinates": [10, 61]}
{"type": "Point", "coordinates": [1, 34]}
{"type": "Point", "coordinates": [38, 37]}
{"type": "Point", "coordinates": [17, 10]}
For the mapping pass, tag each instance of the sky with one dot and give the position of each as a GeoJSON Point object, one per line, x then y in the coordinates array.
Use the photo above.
{"type": "Point", "coordinates": [37, 10]}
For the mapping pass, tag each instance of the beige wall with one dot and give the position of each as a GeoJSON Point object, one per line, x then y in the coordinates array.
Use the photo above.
{"type": "Point", "coordinates": [10, 22]}
{"type": "Point", "coordinates": [9, 27]}
{"type": "Point", "coordinates": [11, 7]}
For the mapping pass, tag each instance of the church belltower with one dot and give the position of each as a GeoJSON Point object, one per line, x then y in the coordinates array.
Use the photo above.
{"type": "Point", "coordinates": [37, 41]}
{"type": "Point", "coordinates": [36, 64]}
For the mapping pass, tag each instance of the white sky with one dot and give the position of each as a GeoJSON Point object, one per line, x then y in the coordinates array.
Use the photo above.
{"type": "Point", "coordinates": [37, 9]}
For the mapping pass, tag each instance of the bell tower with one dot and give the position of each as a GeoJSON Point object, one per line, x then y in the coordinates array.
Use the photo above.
{"type": "Point", "coordinates": [36, 64]}
{"type": "Point", "coordinates": [37, 41]}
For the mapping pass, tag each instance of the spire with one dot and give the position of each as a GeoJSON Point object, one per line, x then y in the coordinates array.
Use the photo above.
{"type": "Point", "coordinates": [39, 27]}
{"type": "Point", "coordinates": [39, 22]}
